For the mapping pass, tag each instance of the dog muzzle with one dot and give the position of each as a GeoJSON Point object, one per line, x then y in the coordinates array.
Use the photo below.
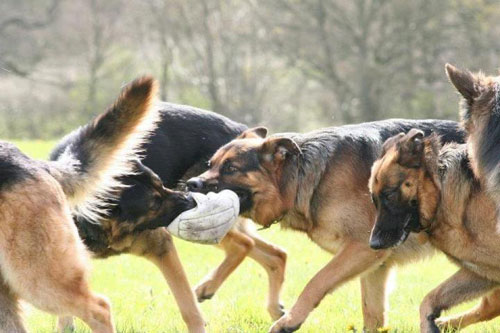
{"type": "Point", "coordinates": [210, 220]}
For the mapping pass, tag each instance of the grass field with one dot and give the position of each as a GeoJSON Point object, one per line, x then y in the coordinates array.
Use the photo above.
{"type": "Point", "coordinates": [143, 303]}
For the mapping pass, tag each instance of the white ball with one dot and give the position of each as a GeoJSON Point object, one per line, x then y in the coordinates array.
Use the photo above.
{"type": "Point", "coordinates": [207, 223]}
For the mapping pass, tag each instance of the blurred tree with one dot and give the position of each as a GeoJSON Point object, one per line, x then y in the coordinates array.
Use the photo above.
{"type": "Point", "coordinates": [20, 23]}
{"type": "Point", "coordinates": [287, 64]}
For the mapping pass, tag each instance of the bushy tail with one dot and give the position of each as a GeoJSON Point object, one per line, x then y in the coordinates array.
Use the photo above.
{"type": "Point", "coordinates": [89, 160]}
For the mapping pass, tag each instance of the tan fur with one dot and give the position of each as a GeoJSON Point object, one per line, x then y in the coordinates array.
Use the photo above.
{"type": "Point", "coordinates": [461, 218]}
{"type": "Point", "coordinates": [158, 247]}
{"type": "Point", "coordinates": [134, 119]}
{"type": "Point", "coordinates": [340, 224]}
{"type": "Point", "coordinates": [239, 243]}
{"type": "Point", "coordinates": [42, 259]}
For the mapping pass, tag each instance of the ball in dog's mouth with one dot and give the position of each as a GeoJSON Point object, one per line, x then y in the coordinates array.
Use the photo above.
{"type": "Point", "coordinates": [211, 219]}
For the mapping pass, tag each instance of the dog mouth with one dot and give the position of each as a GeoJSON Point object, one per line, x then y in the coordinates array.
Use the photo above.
{"type": "Point", "coordinates": [387, 235]}
{"type": "Point", "coordinates": [405, 231]}
{"type": "Point", "coordinates": [245, 196]}
{"type": "Point", "coordinates": [189, 202]}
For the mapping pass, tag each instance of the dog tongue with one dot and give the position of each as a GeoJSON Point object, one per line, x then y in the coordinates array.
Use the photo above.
{"type": "Point", "coordinates": [210, 220]}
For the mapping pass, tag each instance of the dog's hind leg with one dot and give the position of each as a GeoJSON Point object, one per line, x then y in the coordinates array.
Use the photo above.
{"type": "Point", "coordinates": [10, 318]}
{"type": "Point", "coordinates": [237, 246]}
{"type": "Point", "coordinates": [158, 247]}
{"type": "Point", "coordinates": [464, 285]}
{"type": "Point", "coordinates": [374, 298]}
{"type": "Point", "coordinates": [43, 260]}
{"type": "Point", "coordinates": [273, 259]}
{"type": "Point", "coordinates": [488, 309]}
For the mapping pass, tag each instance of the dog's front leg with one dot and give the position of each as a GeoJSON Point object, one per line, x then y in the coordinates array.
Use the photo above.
{"type": "Point", "coordinates": [374, 298]}
{"type": "Point", "coordinates": [237, 246]}
{"type": "Point", "coordinates": [462, 286]}
{"type": "Point", "coordinates": [158, 247]}
{"type": "Point", "coordinates": [353, 259]}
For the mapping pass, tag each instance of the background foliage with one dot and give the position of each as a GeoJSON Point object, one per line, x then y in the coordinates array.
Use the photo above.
{"type": "Point", "coordinates": [288, 64]}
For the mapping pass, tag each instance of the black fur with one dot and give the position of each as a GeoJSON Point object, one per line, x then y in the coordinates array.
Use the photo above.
{"type": "Point", "coordinates": [14, 165]}
{"type": "Point", "coordinates": [489, 149]}
{"type": "Point", "coordinates": [180, 146]}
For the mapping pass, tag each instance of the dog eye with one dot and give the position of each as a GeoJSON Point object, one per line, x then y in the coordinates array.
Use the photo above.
{"type": "Point", "coordinates": [390, 195]}
{"type": "Point", "coordinates": [228, 167]}
{"type": "Point", "coordinates": [231, 169]}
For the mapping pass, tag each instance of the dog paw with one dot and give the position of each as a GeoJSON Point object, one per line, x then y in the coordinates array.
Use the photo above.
{"type": "Point", "coordinates": [204, 291]}
{"type": "Point", "coordinates": [284, 325]}
{"type": "Point", "coordinates": [448, 325]}
{"type": "Point", "coordinates": [276, 311]}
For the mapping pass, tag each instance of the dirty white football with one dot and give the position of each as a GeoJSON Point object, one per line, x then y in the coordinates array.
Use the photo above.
{"type": "Point", "coordinates": [210, 220]}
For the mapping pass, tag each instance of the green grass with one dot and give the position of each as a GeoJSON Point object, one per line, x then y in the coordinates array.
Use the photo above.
{"type": "Point", "coordinates": [142, 301]}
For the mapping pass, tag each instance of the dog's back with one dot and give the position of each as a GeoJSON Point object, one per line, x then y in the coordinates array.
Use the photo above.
{"type": "Point", "coordinates": [185, 139]}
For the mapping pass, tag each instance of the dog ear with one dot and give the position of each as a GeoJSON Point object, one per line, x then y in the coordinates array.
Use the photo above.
{"type": "Point", "coordinates": [464, 81]}
{"type": "Point", "coordinates": [411, 148]}
{"type": "Point", "coordinates": [393, 140]}
{"type": "Point", "coordinates": [256, 132]}
{"type": "Point", "coordinates": [278, 149]}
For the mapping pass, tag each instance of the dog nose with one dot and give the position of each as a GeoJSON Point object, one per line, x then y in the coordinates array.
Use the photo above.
{"type": "Point", "coordinates": [195, 184]}
{"type": "Point", "coordinates": [376, 243]}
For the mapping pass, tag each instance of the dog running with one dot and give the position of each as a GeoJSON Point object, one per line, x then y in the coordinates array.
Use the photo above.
{"type": "Point", "coordinates": [42, 259]}
{"type": "Point", "coordinates": [316, 183]}
{"type": "Point", "coordinates": [420, 186]}
{"type": "Point", "coordinates": [450, 195]}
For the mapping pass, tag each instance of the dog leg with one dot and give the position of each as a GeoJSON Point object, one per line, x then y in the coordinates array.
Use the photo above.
{"type": "Point", "coordinates": [43, 260]}
{"type": "Point", "coordinates": [65, 324]}
{"type": "Point", "coordinates": [464, 285]}
{"type": "Point", "coordinates": [237, 246]}
{"type": "Point", "coordinates": [10, 318]}
{"type": "Point", "coordinates": [374, 298]}
{"type": "Point", "coordinates": [158, 247]}
{"type": "Point", "coordinates": [273, 259]}
{"type": "Point", "coordinates": [488, 309]}
{"type": "Point", "coordinates": [353, 259]}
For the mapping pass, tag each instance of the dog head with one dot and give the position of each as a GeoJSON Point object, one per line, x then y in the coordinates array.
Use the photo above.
{"type": "Point", "coordinates": [145, 203]}
{"type": "Point", "coordinates": [404, 187]}
{"type": "Point", "coordinates": [260, 170]}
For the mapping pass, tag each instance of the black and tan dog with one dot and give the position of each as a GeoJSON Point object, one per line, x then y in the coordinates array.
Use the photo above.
{"type": "Point", "coordinates": [42, 259]}
{"type": "Point", "coordinates": [480, 114]}
{"type": "Point", "coordinates": [317, 183]}
{"type": "Point", "coordinates": [419, 186]}
{"type": "Point", "coordinates": [179, 148]}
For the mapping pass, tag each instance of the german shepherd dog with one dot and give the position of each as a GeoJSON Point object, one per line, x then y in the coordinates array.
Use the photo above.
{"type": "Point", "coordinates": [480, 114]}
{"type": "Point", "coordinates": [317, 183]}
{"type": "Point", "coordinates": [419, 186]}
{"type": "Point", "coordinates": [179, 148]}
{"type": "Point", "coordinates": [42, 259]}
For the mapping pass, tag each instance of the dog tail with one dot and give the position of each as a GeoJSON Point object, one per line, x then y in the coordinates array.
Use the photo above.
{"type": "Point", "coordinates": [88, 161]}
